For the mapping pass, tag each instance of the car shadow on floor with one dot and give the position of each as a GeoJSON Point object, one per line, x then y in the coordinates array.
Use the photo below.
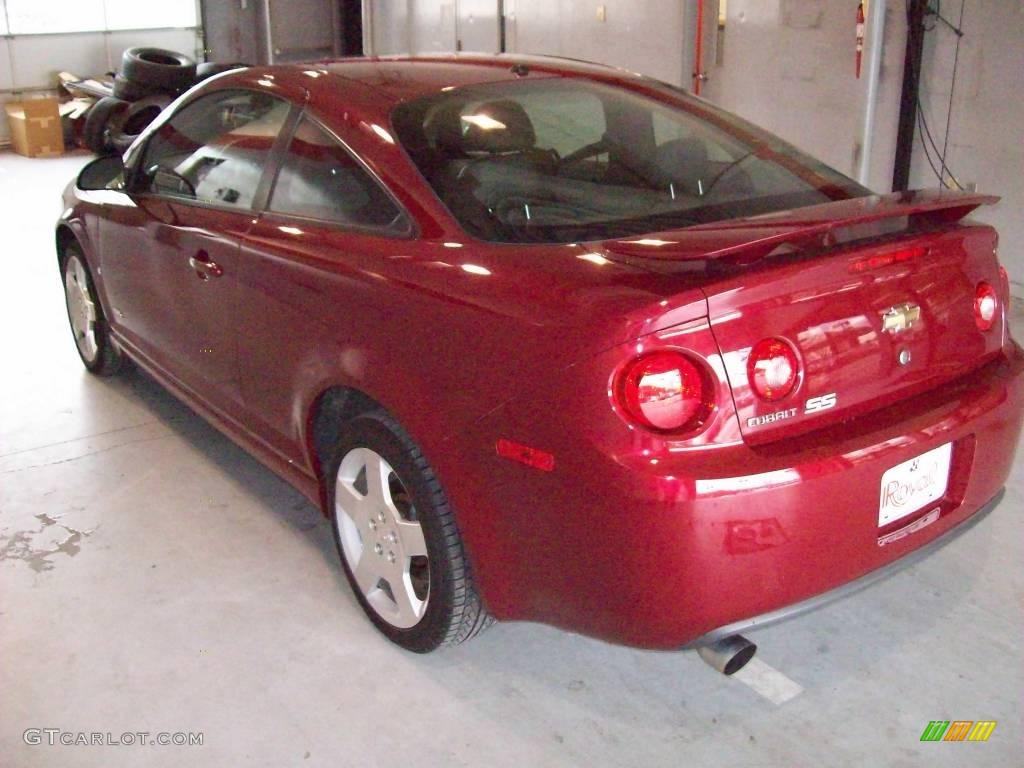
{"type": "Point", "coordinates": [272, 492]}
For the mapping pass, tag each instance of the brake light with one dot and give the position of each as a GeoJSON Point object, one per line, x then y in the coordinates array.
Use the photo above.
{"type": "Point", "coordinates": [986, 306]}
{"type": "Point", "coordinates": [664, 391]}
{"type": "Point", "coordinates": [885, 259]}
{"type": "Point", "coordinates": [772, 369]}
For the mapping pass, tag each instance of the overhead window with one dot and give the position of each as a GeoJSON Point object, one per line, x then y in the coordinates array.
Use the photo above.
{"type": "Point", "coordinates": [36, 17]}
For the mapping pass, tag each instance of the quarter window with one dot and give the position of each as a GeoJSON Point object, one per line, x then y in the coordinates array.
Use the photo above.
{"type": "Point", "coordinates": [215, 149]}
{"type": "Point", "coordinates": [319, 179]}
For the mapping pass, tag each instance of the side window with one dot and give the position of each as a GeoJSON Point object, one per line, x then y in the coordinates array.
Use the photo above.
{"type": "Point", "coordinates": [215, 149]}
{"type": "Point", "coordinates": [319, 179]}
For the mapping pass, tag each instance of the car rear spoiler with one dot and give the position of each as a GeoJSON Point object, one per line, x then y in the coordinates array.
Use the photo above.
{"type": "Point", "coordinates": [820, 226]}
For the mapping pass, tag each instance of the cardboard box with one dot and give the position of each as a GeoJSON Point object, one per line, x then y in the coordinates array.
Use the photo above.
{"type": "Point", "coordinates": [35, 127]}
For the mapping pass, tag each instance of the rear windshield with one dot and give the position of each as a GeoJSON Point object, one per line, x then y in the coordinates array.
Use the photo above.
{"type": "Point", "coordinates": [565, 160]}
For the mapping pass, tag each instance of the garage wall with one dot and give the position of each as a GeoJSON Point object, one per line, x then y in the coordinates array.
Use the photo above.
{"type": "Point", "coordinates": [429, 26]}
{"type": "Point", "coordinates": [649, 37]}
{"type": "Point", "coordinates": [478, 25]}
{"type": "Point", "coordinates": [789, 65]}
{"type": "Point", "coordinates": [553, 27]}
{"type": "Point", "coordinates": [986, 137]}
{"type": "Point", "coordinates": [432, 26]}
{"type": "Point", "coordinates": [30, 61]}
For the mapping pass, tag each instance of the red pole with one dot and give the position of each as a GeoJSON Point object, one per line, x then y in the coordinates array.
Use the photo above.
{"type": "Point", "coordinates": [698, 49]}
{"type": "Point", "coordinates": [860, 34]}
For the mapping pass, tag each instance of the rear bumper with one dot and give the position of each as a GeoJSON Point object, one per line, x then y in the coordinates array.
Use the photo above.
{"type": "Point", "coordinates": [852, 587]}
{"type": "Point", "coordinates": [633, 541]}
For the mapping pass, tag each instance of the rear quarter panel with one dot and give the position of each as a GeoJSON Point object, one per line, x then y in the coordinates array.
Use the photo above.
{"type": "Point", "coordinates": [402, 321]}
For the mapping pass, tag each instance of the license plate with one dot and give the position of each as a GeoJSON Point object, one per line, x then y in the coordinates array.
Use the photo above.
{"type": "Point", "coordinates": [914, 484]}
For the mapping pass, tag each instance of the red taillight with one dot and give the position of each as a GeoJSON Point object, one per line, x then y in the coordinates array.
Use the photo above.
{"type": "Point", "coordinates": [665, 392]}
{"type": "Point", "coordinates": [772, 369]}
{"type": "Point", "coordinates": [986, 306]}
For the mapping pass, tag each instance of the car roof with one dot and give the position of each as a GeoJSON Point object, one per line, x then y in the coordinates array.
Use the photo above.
{"type": "Point", "coordinates": [400, 78]}
{"type": "Point", "coordinates": [368, 88]}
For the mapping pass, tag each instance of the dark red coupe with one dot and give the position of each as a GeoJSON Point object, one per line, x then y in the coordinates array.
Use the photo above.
{"type": "Point", "coordinates": [553, 342]}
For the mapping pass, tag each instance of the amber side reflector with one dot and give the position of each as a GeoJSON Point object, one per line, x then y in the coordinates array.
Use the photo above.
{"type": "Point", "coordinates": [885, 259]}
{"type": "Point", "coordinates": [524, 454]}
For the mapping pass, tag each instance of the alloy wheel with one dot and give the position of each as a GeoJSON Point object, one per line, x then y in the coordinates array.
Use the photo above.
{"type": "Point", "coordinates": [381, 539]}
{"type": "Point", "coordinates": [81, 308]}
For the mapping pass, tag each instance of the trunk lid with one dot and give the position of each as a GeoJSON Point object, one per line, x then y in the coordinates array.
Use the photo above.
{"type": "Point", "coordinates": [875, 295]}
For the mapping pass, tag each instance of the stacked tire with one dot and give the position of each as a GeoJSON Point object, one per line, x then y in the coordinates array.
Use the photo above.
{"type": "Point", "coordinates": [147, 81]}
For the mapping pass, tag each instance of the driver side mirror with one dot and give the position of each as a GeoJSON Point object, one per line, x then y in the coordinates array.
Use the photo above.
{"type": "Point", "coordinates": [102, 173]}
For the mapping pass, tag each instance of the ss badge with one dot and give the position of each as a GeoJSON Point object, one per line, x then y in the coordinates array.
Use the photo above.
{"type": "Point", "coordinates": [821, 403]}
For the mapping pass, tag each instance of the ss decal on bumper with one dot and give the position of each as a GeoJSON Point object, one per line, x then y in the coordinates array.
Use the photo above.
{"type": "Point", "coordinates": [821, 403]}
{"type": "Point", "coordinates": [813, 405]}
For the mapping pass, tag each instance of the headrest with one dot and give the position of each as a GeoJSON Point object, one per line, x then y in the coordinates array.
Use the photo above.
{"type": "Point", "coordinates": [448, 127]}
{"type": "Point", "coordinates": [684, 162]}
{"type": "Point", "coordinates": [497, 127]}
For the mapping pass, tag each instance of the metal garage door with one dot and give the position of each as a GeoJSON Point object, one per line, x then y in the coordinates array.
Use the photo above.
{"type": "Point", "coordinates": [43, 37]}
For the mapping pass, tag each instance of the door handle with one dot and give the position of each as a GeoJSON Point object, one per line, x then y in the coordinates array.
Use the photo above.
{"type": "Point", "coordinates": [204, 266]}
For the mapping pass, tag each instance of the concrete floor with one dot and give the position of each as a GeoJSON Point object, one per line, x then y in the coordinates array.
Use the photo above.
{"type": "Point", "coordinates": [154, 577]}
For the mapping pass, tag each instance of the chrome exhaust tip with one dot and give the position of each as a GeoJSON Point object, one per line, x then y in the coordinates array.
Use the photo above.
{"type": "Point", "coordinates": [728, 655]}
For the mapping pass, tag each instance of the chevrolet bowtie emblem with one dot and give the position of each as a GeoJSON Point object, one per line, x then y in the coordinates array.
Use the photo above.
{"type": "Point", "coordinates": [901, 317]}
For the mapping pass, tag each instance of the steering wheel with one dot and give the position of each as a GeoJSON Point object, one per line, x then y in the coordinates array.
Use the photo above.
{"type": "Point", "coordinates": [627, 159]}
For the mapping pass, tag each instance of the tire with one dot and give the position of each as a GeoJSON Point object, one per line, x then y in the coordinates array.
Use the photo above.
{"type": "Point", "coordinates": [130, 90]}
{"type": "Point", "coordinates": [101, 122]}
{"type": "Point", "coordinates": [210, 68]}
{"type": "Point", "coordinates": [415, 586]}
{"type": "Point", "coordinates": [89, 326]}
{"type": "Point", "coordinates": [136, 119]}
{"type": "Point", "coordinates": [158, 68]}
